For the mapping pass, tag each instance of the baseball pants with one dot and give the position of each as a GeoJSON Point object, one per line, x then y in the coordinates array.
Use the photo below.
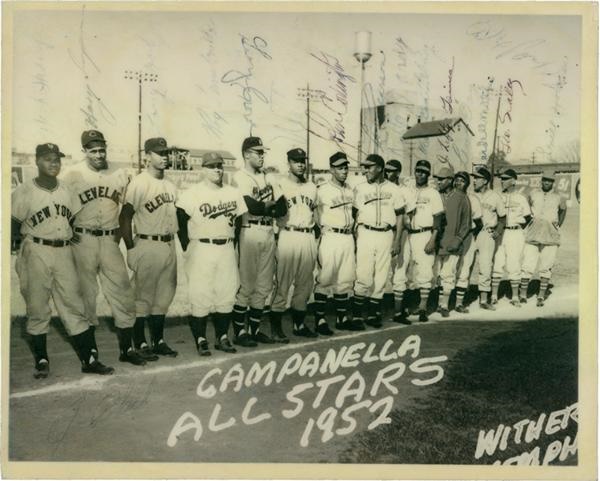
{"type": "Point", "coordinates": [401, 275]}
{"type": "Point", "coordinates": [485, 246]}
{"type": "Point", "coordinates": [154, 266]}
{"type": "Point", "coordinates": [465, 263]}
{"type": "Point", "coordinates": [337, 264]}
{"type": "Point", "coordinates": [213, 278]}
{"type": "Point", "coordinates": [46, 271]}
{"type": "Point", "coordinates": [257, 266]}
{"type": "Point", "coordinates": [101, 257]}
{"type": "Point", "coordinates": [373, 262]}
{"type": "Point", "coordinates": [423, 263]}
{"type": "Point", "coordinates": [447, 271]}
{"type": "Point", "coordinates": [545, 255]}
{"type": "Point", "coordinates": [295, 258]}
{"type": "Point", "coordinates": [508, 255]}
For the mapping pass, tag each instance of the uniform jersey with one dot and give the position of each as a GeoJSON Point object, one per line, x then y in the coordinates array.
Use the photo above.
{"type": "Point", "coordinates": [44, 213]}
{"type": "Point", "coordinates": [334, 205]}
{"type": "Point", "coordinates": [379, 203]}
{"type": "Point", "coordinates": [301, 202]}
{"type": "Point", "coordinates": [428, 204]}
{"type": "Point", "coordinates": [476, 212]}
{"type": "Point", "coordinates": [545, 205]}
{"type": "Point", "coordinates": [100, 193]}
{"type": "Point", "coordinates": [492, 207]}
{"type": "Point", "coordinates": [212, 210]}
{"type": "Point", "coordinates": [154, 203]}
{"type": "Point", "coordinates": [256, 185]}
{"type": "Point", "coordinates": [516, 207]}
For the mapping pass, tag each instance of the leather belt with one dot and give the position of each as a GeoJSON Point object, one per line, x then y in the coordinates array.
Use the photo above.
{"type": "Point", "coordinates": [95, 232]}
{"type": "Point", "coordinates": [378, 229]}
{"type": "Point", "coordinates": [514, 227]}
{"type": "Point", "coordinates": [218, 242]}
{"type": "Point", "coordinates": [339, 231]}
{"type": "Point", "coordinates": [258, 222]}
{"type": "Point", "coordinates": [51, 243]}
{"type": "Point", "coordinates": [418, 231]}
{"type": "Point", "coordinates": [298, 229]}
{"type": "Point", "coordinates": [162, 238]}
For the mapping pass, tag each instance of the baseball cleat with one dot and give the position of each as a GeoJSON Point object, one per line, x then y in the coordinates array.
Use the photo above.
{"type": "Point", "coordinates": [97, 367]}
{"type": "Point", "coordinates": [355, 325]}
{"type": "Point", "coordinates": [304, 332]}
{"type": "Point", "coordinates": [444, 312]}
{"type": "Point", "coordinates": [245, 340]}
{"type": "Point", "coordinates": [462, 309]}
{"type": "Point", "coordinates": [494, 301]}
{"type": "Point", "coordinates": [487, 306]}
{"type": "Point", "coordinates": [262, 338]}
{"type": "Point", "coordinates": [225, 346]}
{"type": "Point", "coordinates": [423, 316]}
{"type": "Point", "coordinates": [523, 300]}
{"type": "Point", "coordinates": [132, 357]}
{"type": "Point", "coordinates": [146, 353]}
{"type": "Point", "coordinates": [42, 369]}
{"type": "Point", "coordinates": [374, 322]}
{"type": "Point", "coordinates": [402, 318]}
{"type": "Point", "coordinates": [280, 337]}
{"type": "Point", "coordinates": [515, 302]}
{"type": "Point", "coordinates": [203, 348]}
{"type": "Point", "coordinates": [163, 350]}
{"type": "Point", "coordinates": [540, 302]}
{"type": "Point", "coordinates": [324, 329]}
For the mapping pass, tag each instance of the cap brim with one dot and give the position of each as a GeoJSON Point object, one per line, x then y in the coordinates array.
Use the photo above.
{"type": "Point", "coordinates": [423, 169]}
{"type": "Point", "coordinates": [258, 148]}
{"type": "Point", "coordinates": [391, 169]}
{"type": "Point", "coordinates": [339, 163]}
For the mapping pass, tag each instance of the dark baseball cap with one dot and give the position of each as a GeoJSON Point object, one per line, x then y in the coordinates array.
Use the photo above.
{"type": "Point", "coordinates": [445, 173]}
{"type": "Point", "coordinates": [296, 154]}
{"type": "Point", "coordinates": [156, 144]}
{"type": "Point", "coordinates": [423, 165]}
{"type": "Point", "coordinates": [373, 159]}
{"type": "Point", "coordinates": [507, 174]}
{"type": "Point", "coordinates": [91, 136]}
{"type": "Point", "coordinates": [394, 165]}
{"type": "Point", "coordinates": [463, 175]}
{"type": "Point", "coordinates": [254, 143]}
{"type": "Point", "coordinates": [338, 159]}
{"type": "Point", "coordinates": [483, 172]}
{"type": "Point", "coordinates": [211, 158]}
{"type": "Point", "coordinates": [48, 148]}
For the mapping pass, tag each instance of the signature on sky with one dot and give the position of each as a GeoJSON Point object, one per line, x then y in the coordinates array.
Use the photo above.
{"type": "Point", "coordinates": [448, 101]}
{"type": "Point", "coordinates": [507, 116]}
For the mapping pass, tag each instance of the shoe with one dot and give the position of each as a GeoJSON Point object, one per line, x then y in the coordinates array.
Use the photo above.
{"type": "Point", "coordinates": [342, 325]}
{"type": "Point", "coordinates": [494, 301]}
{"type": "Point", "coordinates": [444, 312]}
{"type": "Point", "coordinates": [402, 318]}
{"type": "Point", "coordinates": [523, 300]}
{"type": "Point", "coordinates": [203, 348]}
{"type": "Point", "coordinates": [132, 357]}
{"type": "Point", "coordinates": [354, 325]}
{"type": "Point", "coordinates": [262, 338]}
{"type": "Point", "coordinates": [146, 353]}
{"type": "Point", "coordinates": [487, 306]}
{"type": "Point", "coordinates": [97, 367]}
{"type": "Point", "coordinates": [324, 329]}
{"type": "Point", "coordinates": [423, 316]}
{"type": "Point", "coordinates": [42, 369]}
{"type": "Point", "coordinates": [515, 302]}
{"type": "Point", "coordinates": [163, 350]}
{"type": "Point", "coordinates": [304, 332]}
{"type": "Point", "coordinates": [280, 337]}
{"type": "Point", "coordinates": [245, 340]}
{"type": "Point", "coordinates": [374, 322]}
{"type": "Point", "coordinates": [225, 346]}
{"type": "Point", "coordinates": [540, 302]}
{"type": "Point", "coordinates": [462, 309]}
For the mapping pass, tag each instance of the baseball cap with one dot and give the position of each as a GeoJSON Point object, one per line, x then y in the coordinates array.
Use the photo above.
{"type": "Point", "coordinates": [461, 174]}
{"type": "Point", "coordinates": [338, 159]}
{"type": "Point", "coordinates": [296, 154]}
{"type": "Point", "coordinates": [549, 175]}
{"type": "Point", "coordinates": [483, 172]}
{"type": "Point", "coordinates": [394, 165]}
{"type": "Point", "coordinates": [48, 148]}
{"type": "Point", "coordinates": [423, 165]}
{"type": "Point", "coordinates": [156, 144]}
{"type": "Point", "coordinates": [253, 143]}
{"type": "Point", "coordinates": [91, 136]}
{"type": "Point", "coordinates": [373, 159]}
{"type": "Point", "coordinates": [445, 173]}
{"type": "Point", "coordinates": [507, 174]}
{"type": "Point", "coordinates": [211, 158]}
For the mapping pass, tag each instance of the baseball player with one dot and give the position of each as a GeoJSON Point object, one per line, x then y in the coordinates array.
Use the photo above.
{"type": "Point", "coordinates": [508, 255]}
{"type": "Point", "coordinates": [41, 217]}
{"type": "Point", "coordinates": [493, 217]}
{"type": "Point", "coordinates": [542, 237]}
{"type": "Point", "coordinates": [100, 189]}
{"type": "Point", "coordinates": [150, 203]}
{"type": "Point", "coordinates": [336, 246]}
{"type": "Point", "coordinates": [256, 246]}
{"type": "Point", "coordinates": [424, 226]}
{"type": "Point", "coordinates": [296, 248]}
{"type": "Point", "coordinates": [457, 225]}
{"type": "Point", "coordinates": [379, 207]}
{"type": "Point", "coordinates": [207, 214]}
{"type": "Point", "coordinates": [392, 171]}
{"type": "Point", "coordinates": [461, 182]}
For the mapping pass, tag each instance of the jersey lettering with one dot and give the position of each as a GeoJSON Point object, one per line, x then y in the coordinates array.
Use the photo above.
{"type": "Point", "coordinates": [376, 196]}
{"type": "Point", "coordinates": [266, 193]}
{"type": "Point", "coordinates": [301, 199]}
{"type": "Point", "coordinates": [98, 192]}
{"type": "Point", "coordinates": [160, 199]}
{"type": "Point", "coordinates": [227, 209]}
{"type": "Point", "coordinates": [45, 213]}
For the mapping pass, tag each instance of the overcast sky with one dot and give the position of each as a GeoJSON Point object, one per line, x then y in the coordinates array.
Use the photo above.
{"type": "Point", "coordinates": [221, 76]}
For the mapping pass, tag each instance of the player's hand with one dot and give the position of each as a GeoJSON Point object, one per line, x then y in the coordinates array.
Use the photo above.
{"type": "Point", "coordinates": [76, 239]}
{"type": "Point", "coordinates": [495, 234]}
{"type": "Point", "coordinates": [15, 245]}
{"type": "Point", "coordinates": [556, 225]}
{"type": "Point", "coordinates": [131, 258]}
{"type": "Point", "coordinates": [430, 246]}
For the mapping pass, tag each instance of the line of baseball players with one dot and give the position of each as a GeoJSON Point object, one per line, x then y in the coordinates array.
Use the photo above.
{"type": "Point", "coordinates": [358, 240]}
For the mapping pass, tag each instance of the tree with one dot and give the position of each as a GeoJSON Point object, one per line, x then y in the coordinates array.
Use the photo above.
{"type": "Point", "coordinates": [570, 152]}
{"type": "Point", "coordinates": [496, 161]}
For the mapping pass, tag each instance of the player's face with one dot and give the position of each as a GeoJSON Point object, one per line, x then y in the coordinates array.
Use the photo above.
{"type": "Point", "coordinates": [372, 172]}
{"type": "Point", "coordinates": [507, 183]}
{"type": "Point", "coordinates": [95, 153]}
{"type": "Point", "coordinates": [159, 161]}
{"type": "Point", "coordinates": [421, 177]}
{"type": "Point", "coordinates": [460, 184]}
{"type": "Point", "coordinates": [392, 175]}
{"type": "Point", "coordinates": [547, 185]}
{"type": "Point", "coordinates": [479, 183]}
{"type": "Point", "coordinates": [48, 165]}
{"type": "Point", "coordinates": [340, 173]}
{"type": "Point", "coordinates": [256, 158]}
{"type": "Point", "coordinates": [444, 184]}
{"type": "Point", "coordinates": [297, 167]}
{"type": "Point", "coordinates": [214, 173]}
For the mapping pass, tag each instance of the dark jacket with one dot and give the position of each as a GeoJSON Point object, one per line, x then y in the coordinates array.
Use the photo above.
{"type": "Point", "coordinates": [457, 209]}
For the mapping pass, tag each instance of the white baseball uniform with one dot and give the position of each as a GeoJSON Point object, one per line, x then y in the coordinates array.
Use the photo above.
{"type": "Point", "coordinates": [97, 253]}
{"type": "Point", "coordinates": [153, 258]}
{"type": "Point", "coordinates": [470, 245]}
{"type": "Point", "coordinates": [46, 270]}
{"type": "Point", "coordinates": [296, 252]}
{"type": "Point", "coordinates": [210, 260]}
{"type": "Point", "coordinates": [492, 207]}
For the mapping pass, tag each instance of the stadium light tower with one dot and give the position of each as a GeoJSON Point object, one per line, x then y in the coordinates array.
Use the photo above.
{"type": "Point", "coordinates": [362, 53]}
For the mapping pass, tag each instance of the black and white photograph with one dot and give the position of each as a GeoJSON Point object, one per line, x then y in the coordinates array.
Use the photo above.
{"type": "Point", "coordinates": [299, 239]}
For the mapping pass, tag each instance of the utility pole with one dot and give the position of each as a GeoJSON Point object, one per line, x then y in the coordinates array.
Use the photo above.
{"type": "Point", "coordinates": [140, 77]}
{"type": "Point", "coordinates": [495, 137]}
{"type": "Point", "coordinates": [309, 95]}
{"type": "Point", "coordinates": [362, 53]}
